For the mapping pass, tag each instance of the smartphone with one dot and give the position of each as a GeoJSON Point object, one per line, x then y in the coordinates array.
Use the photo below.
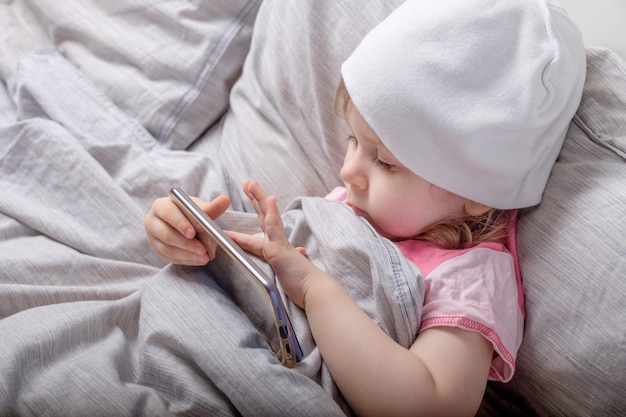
{"type": "Point", "coordinates": [253, 291]}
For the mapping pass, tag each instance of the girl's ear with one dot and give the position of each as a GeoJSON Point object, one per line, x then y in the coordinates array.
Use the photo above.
{"type": "Point", "coordinates": [473, 208]}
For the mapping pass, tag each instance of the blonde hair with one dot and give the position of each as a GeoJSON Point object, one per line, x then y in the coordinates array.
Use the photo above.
{"type": "Point", "coordinates": [455, 233]}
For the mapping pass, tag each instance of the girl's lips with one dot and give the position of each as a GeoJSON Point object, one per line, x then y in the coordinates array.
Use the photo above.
{"type": "Point", "coordinates": [358, 211]}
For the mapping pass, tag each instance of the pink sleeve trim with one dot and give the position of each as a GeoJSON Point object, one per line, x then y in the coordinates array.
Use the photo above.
{"type": "Point", "coordinates": [505, 373]}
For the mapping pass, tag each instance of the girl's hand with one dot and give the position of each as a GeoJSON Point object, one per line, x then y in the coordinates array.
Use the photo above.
{"type": "Point", "coordinates": [172, 236]}
{"type": "Point", "coordinates": [294, 271]}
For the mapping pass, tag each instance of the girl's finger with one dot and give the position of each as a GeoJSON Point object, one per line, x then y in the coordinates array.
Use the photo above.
{"type": "Point", "coordinates": [274, 227]}
{"type": "Point", "coordinates": [170, 237]}
{"type": "Point", "coordinates": [165, 210]}
{"type": "Point", "coordinates": [249, 243]}
{"type": "Point", "coordinates": [257, 194]}
{"type": "Point", "coordinates": [214, 208]}
{"type": "Point", "coordinates": [181, 256]}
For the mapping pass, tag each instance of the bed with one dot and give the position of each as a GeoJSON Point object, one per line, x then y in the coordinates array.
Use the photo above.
{"type": "Point", "coordinates": [105, 105]}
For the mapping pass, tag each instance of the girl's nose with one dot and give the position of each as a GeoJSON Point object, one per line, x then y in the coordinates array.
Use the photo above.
{"type": "Point", "coordinates": [352, 171]}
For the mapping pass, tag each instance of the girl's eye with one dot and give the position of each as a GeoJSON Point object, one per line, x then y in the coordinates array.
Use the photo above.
{"type": "Point", "coordinates": [352, 140]}
{"type": "Point", "coordinates": [383, 165]}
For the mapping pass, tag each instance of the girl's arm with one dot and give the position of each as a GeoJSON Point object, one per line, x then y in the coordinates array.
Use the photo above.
{"type": "Point", "coordinates": [443, 373]}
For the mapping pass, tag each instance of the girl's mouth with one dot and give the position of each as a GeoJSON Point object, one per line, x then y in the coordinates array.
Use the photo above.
{"type": "Point", "coordinates": [358, 211]}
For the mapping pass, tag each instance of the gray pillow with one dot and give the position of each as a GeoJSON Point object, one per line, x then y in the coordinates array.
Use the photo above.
{"type": "Point", "coordinates": [169, 64]}
{"type": "Point", "coordinates": [572, 251]}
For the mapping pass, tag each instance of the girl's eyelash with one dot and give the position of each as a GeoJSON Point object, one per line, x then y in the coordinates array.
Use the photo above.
{"type": "Point", "coordinates": [376, 161]}
{"type": "Point", "coordinates": [382, 164]}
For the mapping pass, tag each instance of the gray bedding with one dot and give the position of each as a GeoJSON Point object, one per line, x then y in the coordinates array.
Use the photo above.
{"type": "Point", "coordinates": [92, 323]}
{"type": "Point", "coordinates": [242, 88]}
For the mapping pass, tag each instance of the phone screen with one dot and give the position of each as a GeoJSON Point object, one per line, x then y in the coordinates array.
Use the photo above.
{"type": "Point", "coordinates": [253, 291]}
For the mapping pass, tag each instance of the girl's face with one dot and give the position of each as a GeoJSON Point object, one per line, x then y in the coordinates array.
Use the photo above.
{"type": "Point", "coordinates": [398, 203]}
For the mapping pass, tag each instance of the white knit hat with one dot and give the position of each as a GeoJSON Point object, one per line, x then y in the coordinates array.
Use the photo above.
{"type": "Point", "coordinates": [474, 96]}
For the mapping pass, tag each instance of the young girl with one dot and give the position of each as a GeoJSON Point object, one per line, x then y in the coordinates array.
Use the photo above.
{"type": "Point", "coordinates": [457, 111]}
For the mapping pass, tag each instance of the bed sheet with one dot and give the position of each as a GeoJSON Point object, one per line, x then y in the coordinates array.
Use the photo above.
{"type": "Point", "coordinates": [93, 323]}
{"type": "Point", "coordinates": [8, 112]}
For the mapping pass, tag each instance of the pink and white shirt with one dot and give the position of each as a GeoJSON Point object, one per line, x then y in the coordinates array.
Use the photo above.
{"type": "Point", "coordinates": [477, 289]}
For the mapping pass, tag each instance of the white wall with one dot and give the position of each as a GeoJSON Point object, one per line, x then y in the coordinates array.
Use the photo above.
{"type": "Point", "coordinates": [603, 22]}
